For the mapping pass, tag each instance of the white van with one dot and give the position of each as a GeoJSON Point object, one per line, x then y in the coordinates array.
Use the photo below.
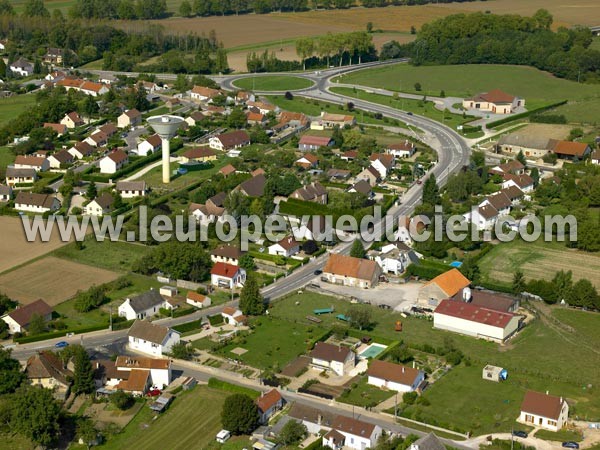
{"type": "Point", "coordinates": [223, 436]}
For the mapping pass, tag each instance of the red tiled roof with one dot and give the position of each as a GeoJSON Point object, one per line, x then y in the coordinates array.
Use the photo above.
{"type": "Point", "coordinates": [23, 314]}
{"type": "Point", "coordinates": [268, 400]}
{"type": "Point", "coordinates": [474, 313]}
{"type": "Point", "coordinates": [450, 282]}
{"type": "Point", "coordinates": [393, 372]}
{"type": "Point", "coordinates": [543, 405]}
{"type": "Point", "coordinates": [194, 296]}
{"type": "Point", "coordinates": [224, 270]}
{"type": "Point", "coordinates": [321, 141]}
{"type": "Point", "coordinates": [570, 148]}
{"type": "Point", "coordinates": [348, 266]}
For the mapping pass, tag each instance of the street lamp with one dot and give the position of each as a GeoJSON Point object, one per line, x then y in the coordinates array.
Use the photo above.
{"type": "Point", "coordinates": [165, 126]}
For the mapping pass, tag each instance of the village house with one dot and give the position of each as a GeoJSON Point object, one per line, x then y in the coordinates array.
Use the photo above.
{"type": "Point", "coordinates": [350, 271]}
{"type": "Point", "coordinates": [595, 158]}
{"type": "Point", "coordinates": [350, 433]}
{"type": "Point", "coordinates": [92, 88]}
{"type": "Point", "coordinates": [338, 174]}
{"type": "Point", "coordinates": [58, 128]}
{"type": "Point", "coordinates": [394, 377]}
{"type": "Point", "coordinates": [242, 97]}
{"type": "Point", "coordinates": [113, 162]}
{"type": "Point", "coordinates": [315, 228]}
{"type": "Point", "coordinates": [37, 203]}
{"type": "Point", "coordinates": [362, 187]}
{"type": "Point", "coordinates": [255, 118]}
{"type": "Point", "coordinates": [130, 118]}
{"type": "Point", "coordinates": [97, 139]}
{"type": "Point", "coordinates": [109, 129]}
{"type": "Point", "coordinates": [313, 192]}
{"type": "Point", "coordinates": [571, 150]}
{"type": "Point", "coordinates": [227, 253]}
{"type": "Point", "coordinates": [394, 258]}
{"type": "Point", "coordinates": [487, 299]}
{"type": "Point", "coordinates": [159, 369]}
{"type": "Point", "coordinates": [328, 120]}
{"type": "Point", "coordinates": [100, 206]}
{"type": "Point", "coordinates": [82, 150]}
{"type": "Point", "coordinates": [291, 120]}
{"type": "Point", "coordinates": [54, 56]}
{"type": "Point", "coordinates": [475, 321]}
{"type": "Point", "coordinates": [401, 149]}
{"type": "Point", "coordinates": [202, 93]}
{"type": "Point", "coordinates": [441, 287]}
{"type": "Point", "coordinates": [16, 176]}
{"type": "Point", "coordinates": [143, 306]}
{"type": "Point", "coordinates": [154, 340]}
{"type": "Point", "coordinates": [371, 175]}
{"type": "Point", "coordinates": [483, 217]}
{"type": "Point", "coordinates": [210, 212]}
{"type": "Point", "coordinates": [197, 300]}
{"type": "Point", "coordinates": [199, 154]}
{"type": "Point", "coordinates": [494, 101]}
{"type": "Point", "coordinates": [195, 118]}
{"type": "Point", "coordinates": [227, 170]}
{"type": "Point", "coordinates": [233, 316]}
{"type": "Point", "coordinates": [429, 442]}
{"type": "Point", "coordinates": [334, 358]}
{"type": "Point", "coordinates": [60, 159]}
{"type": "Point", "coordinates": [313, 419]}
{"type": "Point", "coordinates": [149, 146]}
{"type": "Point", "coordinates": [131, 189]}
{"type": "Point", "coordinates": [21, 67]}
{"type": "Point", "coordinates": [5, 193]}
{"type": "Point", "coordinates": [544, 411]}
{"type": "Point", "coordinates": [37, 163]}
{"type": "Point", "coordinates": [383, 163]}
{"type": "Point", "coordinates": [227, 141]}
{"type": "Point", "coordinates": [227, 276]}
{"type": "Point", "coordinates": [254, 187]}
{"type": "Point", "coordinates": [72, 120]}
{"type": "Point", "coordinates": [349, 155]}
{"type": "Point", "coordinates": [524, 182]}
{"type": "Point", "coordinates": [307, 161]}
{"type": "Point", "coordinates": [47, 370]}
{"type": "Point", "coordinates": [513, 166]}
{"type": "Point", "coordinates": [309, 143]}
{"type": "Point", "coordinates": [262, 107]}
{"type": "Point", "coordinates": [286, 247]}
{"type": "Point", "coordinates": [268, 404]}
{"type": "Point", "coordinates": [18, 319]}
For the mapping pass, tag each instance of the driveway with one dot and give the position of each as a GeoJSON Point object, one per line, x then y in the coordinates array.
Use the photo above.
{"type": "Point", "coordinates": [77, 201]}
{"type": "Point", "coordinates": [399, 296]}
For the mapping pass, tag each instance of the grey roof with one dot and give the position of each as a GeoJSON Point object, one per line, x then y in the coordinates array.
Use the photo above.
{"type": "Point", "coordinates": [5, 190]}
{"type": "Point", "coordinates": [146, 300]}
{"type": "Point", "coordinates": [12, 172]}
{"type": "Point", "coordinates": [254, 187]}
{"type": "Point", "coordinates": [33, 199]}
{"type": "Point", "coordinates": [131, 186]}
{"type": "Point", "coordinates": [429, 442]}
{"type": "Point", "coordinates": [147, 331]}
{"type": "Point", "coordinates": [525, 140]}
{"type": "Point", "coordinates": [105, 200]}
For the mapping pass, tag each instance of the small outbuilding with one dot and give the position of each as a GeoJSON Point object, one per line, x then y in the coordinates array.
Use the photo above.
{"type": "Point", "coordinates": [494, 373]}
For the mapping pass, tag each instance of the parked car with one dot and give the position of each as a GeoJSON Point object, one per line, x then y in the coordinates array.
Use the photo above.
{"type": "Point", "coordinates": [570, 444]}
{"type": "Point", "coordinates": [61, 344]}
{"type": "Point", "coordinates": [318, 272]}
{"type": "Point", "coordinates": [519, 433]}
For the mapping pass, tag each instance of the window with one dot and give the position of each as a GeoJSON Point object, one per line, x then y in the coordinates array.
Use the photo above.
{"type": "Point", "coordinates": [552, 423]}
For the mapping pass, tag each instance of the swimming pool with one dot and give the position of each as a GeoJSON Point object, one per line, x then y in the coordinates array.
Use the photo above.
{"type": "Point", "coordinates": [372, 351]}
{"type": "Point", "coordinates": [456, 264]}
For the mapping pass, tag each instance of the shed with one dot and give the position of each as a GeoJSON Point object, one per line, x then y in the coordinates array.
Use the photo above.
{"type": "Point", "coordinates": [494, 373]}
{"type": "Point", "coordinates": [168, 291]}
{"type": "Point", "coordinates": [161, 402]}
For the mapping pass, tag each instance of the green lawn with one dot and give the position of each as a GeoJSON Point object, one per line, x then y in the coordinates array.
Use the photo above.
{"type": "Point", "coordinates": [188, 423]}
{"type": "Point", "coordinates": [6, 157]}
{"type": "Point", "coordinates": [154, 177]}
{"type": "Point", "coordinates": [365, 395]}
{"type": "Point", "coordinates": [11, 107]}
{"type": "Point", "coordinates": [560, 436]}
{"type": "Point", "coordinates": [273, 83]}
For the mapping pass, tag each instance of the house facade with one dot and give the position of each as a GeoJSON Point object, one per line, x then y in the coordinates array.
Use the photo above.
{"type": "Point", "coordinates": [394, 377]}
{"type": "Point", "coordinates": [544, 411]}
{"type": "Point", "coordinates": [36, 203]}
{"type": "Point", "coordinates": [335, 358]}
{"type": "Point", "coordinates": [227, 276]}
{"type": "Point", "coordinates": [132, 189]}
{"type": "Point", "coordinates": [349, 271]}
{"type": "Point", "coordinates": [114, 162]}
{"type": "Point", "coordinates": [286, 247]}
{"type": "Point", "coordinates": [153, 340]}
{"type": "Point", "coordinates": [18, 319]}
{"type": "Point", "coordinates": [143, 306]}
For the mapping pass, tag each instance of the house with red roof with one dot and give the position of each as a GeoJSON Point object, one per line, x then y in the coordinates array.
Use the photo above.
{"type": "Point", "coordinates": [268, 404]}
{"type": "Point", "coordinates": [288, 246]}
{"type": "Point", "coordinates": [441, 287]}
{"type": "Point", "coordinates": [395, 377]}
{"type": "Point", "coordinates": [227, 276]}
{"type": "Point", "coordinates": [113, 162]}
{"type": "Point", "coordinates": [309, 143]}
{"type": "Point", "coordinates": [233, 316]}
{"type": "Point", "coordinates": [544, 411]}
{"type": "Point", "coordinates": [494, 101]}
{"type": "Point", "coordinates": [18, 319]}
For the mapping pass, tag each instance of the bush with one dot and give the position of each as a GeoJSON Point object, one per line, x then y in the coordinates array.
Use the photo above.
{"type": "Point", "coordinates": [122, 400]}
{"type": "Point", "coordinates": [409, 398]}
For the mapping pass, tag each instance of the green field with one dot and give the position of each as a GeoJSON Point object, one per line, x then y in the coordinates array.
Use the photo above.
{"type": "Point", "coordinates": [560, 436]}
{"type": "Point", "coordinates": [273, 83]}
{"type": "Point", "coordinates": [186, 424]}
{"type": "Point", "coordinates": [11, 107]}
{"type": "Point", "coordinates": [537, 260]}
{"type": "Point", "coordinates": [6, 157]}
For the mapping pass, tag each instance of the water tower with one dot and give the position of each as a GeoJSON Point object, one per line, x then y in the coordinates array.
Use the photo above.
{"type": "Point", "coordinates": [165, 126]}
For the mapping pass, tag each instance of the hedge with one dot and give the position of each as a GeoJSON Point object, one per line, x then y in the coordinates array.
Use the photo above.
{"type": "Point", "coordinates": [524, 115]}
{"type": "Point", "coordinates": [428, 272]}
{"type": "Point", "coordinates": [189, 326]}
{"type": "Point", "coordinates": [61, 333]}
{"type": "Point", "coordinates": [229, 387]}
{"type": "Point", "coordinates": [359, 334]}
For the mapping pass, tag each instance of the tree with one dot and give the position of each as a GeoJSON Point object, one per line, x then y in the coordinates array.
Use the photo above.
{"type": "Point", "coordinates": [518, 283]}
{"type": "Point", "coordinates": [431, 192]}
{"type": "Point", "coordinates": [122, 400]}
{"type": "Point", "coordinates": [181, 351]}
{"type": "Point", "coordinates": [86, 431]}
{"type": "Point", "coordinates": [247, 262]}
{"type": "Point", "coordinates": [185, 9]}
{"type": "Point", "coordinates": [6, 9]}
{"type": "Point", "coordinates": [237, 118]}
{"type": "Point", "coordinates": [252, 302]}
{"type": "Point", "coordinates": [91, 191]}
{"type": "Point", "coordinates": [358, 250]}
{"type": "Point", "coordinates": [35, 8]}
{"type": "Point", "coordinates": [401, 354]}
{"type": "Point", "coordinates": [35, 414]}
{"type": "Point", "coordinates": [584, 294]}
{"type": "Point", "coordinates": [359, 317]}
{"type": "Point", "coordinates": [521, 158]}
{"type": "Point", "coordinates": [292, 433]}
{"type": "Point", "coordinates": [409, 398]}
{"type": "Point", "coordinates": [11, 375]}
{"type": "Point", "coordinates": [83, 372]}
{"type": "Point", "coordinates": [418, 86]}
{"type": "Point", "coordinates": [37, 324]}
{"type": "Point", "coordinates": [239, 414]}
{"type": "Point", "coordinates": [305, 48]}
{"type": "Point", "coordinates": [413, 30]}
{"type": "Point", "coordinates": [369, 27]}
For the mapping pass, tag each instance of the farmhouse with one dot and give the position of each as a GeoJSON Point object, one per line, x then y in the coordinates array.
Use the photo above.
{"type": "Point", "coordinates": [159, 369]}
{"type": "Point", "coordinates": [5, 193]}
{"type": "Point", "coordinates": [309, 143]}
{"type": "Point", "coordinates": [476, 321]}
{"type": "Point", "coordinates": [82, 150]}
{"type": "Point", "coordinates": [131, 189]}
{"type": "Point", "coordinates": [495, 101]}
{"type": "Point", "coordinates": [349, 271]}
{"type": "Point", "coordinates": [38, 163]}
{"type": "Point", "coordinates": [401, 149]}
{"type": "Point", "coordinates": [544, 411]}
{"type": "Point", "coordinates": [233, 316]}
{"type": "Point", "coordinates": [149, 146]}
{"type": "Point", "coordinates": [287, 247]}
{"type": "Point", "coordinates": [347, 432]}
{"type": "Point", "coordinates": [20, 176]}
{"type": "Point", "coordinates": [229, 254]}
{"type": "Point", "coordinates": [203, 93]}
{"type": "Point", "coordinates": [313, 192]}
{"type": "Point", "coordinates": [58, 128]}
{"type": "Point", "coordinates": [154, 340]}
{"type": "Point", "coordinates": [532, 146]}
{"type": "Point", "coordinates": [47, 370]}
{"type": "Point", "coordinates": [72, 120]}
{"type": "Point", "coordinates": [37, 203]}
{"type": "Point", "coordinates": [441, 287]}
{"type": "Point", "coordinates": [395, 377]}
{"type": "Point", "coordinates": [144, 305]}
{"type": "Point", "coordinates": [18, 320]}
{"type": "Point", "coordinates": [113, 162]}
{"type": "Point", "coordinates": [99, 206]}
{"type": "Point", "coordinates": [335, 358]}
{"type": "Point", "coordinates": [199, 154]}
{"type": "Point", "coordinates": [268, 404]}
{"type": "Point", "coordinates": [227, 141]}
{"type": "Point", "coordinates": [197, 300]}
{"type": "Point", "coordinates": [60, 159]}
{"type": "Point", "coordinates": [129, 118]}
{"type": "Point", "coordinates": [227, 276]}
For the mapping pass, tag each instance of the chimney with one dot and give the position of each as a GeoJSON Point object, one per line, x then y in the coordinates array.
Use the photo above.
{"type": "Point", "coordinates": [547, 392]}
{"type": "Point", "coordinates": [319, 419]}
{"type": "Point", "coordinates": [403, 369]}
{"type": "Point", "coordinates": [414, 364]}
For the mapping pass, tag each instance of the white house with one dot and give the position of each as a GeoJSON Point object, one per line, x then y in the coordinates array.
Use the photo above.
{"type": "Point", "coordinates": [544, 411]}
{"type": "Point", "coordinates": [81, 150]}
{"type": "Point", "coordinates": [401, 149]}
{"type": "Point", "coordinates": [395, 377]}
{"type": "Point", "coordinates": [233, 316]}
{"type": "Point", "coordinates": [38, 163]}
{"type": "Point", "coordinates": [149, 146]}
{"type": "Point", "coordinates": [99, 206]}
{"type": "Point", "coordinates": [347, 432]}
{"type": "Point", "coordinates": [20, 176]}
{"type": "Point", "coordinates": [335, 358]}
{"type": "Point", "coordinates": [228, 141]}
{"type": "Point", "coordinates": [72, 120]}
{"type": "Point", "coordinates": [113, 162]}
{"type": "Point", "coordinates": [287, 247]}
{"type": "Point", "coordinates": [37, 203]}
{"type": "Point", "coordinates": [523, 182]}
{"type": "Point", "coordinates": [5, 193]}
{"type": "Point", "coordinates": [21, 67]}
{"type": "Point", "coordinates": [483, 217]}
{"type": "Point", "coordinates": [18, 319]}
{"type": "Point", "coordinates": [129, 118]}
{"type": "Point", "coordinates": [97, 139]}
{"type": "Point", "coordinates": [227, 276]}
{"type": "Point", "coordinates": [144, 305]}
{"type": "Point", "coordinates": [154, 340]}
{"type": "Point", "coordinates": [197, 300]}
{"type": "Point", "coordinates": [131, 189]}
{"type": "Point", "coordinates": [383, 163]}
{"type": "Point", "coordinates": [203, 93]}
{"type": "Point", "coordinates": [160, 369]}
{"type": "Point", "coordinates": [393, 258]}
{"type": "Point", "coordinates": [59, 159]}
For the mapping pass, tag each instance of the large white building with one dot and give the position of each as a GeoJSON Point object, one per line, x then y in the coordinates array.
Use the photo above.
{"type": "Point", "coordinates": [153, 340]}
{"type": "Point", "coordinates": [395, 377]}
{"type": "Point", "coordinates": [544, 411]}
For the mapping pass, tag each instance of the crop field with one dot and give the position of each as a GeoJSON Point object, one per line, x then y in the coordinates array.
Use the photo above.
{"type": "Point", "coordinates": [538, 260]}
{"type": "Point", "coordinates": [52, 279]}
{"type": "Point", "coordinates": [15, 248]}
{"type": "Point", "coordinates": [11, 107]}
{"type": "Point", "coordinates": [273, 83]}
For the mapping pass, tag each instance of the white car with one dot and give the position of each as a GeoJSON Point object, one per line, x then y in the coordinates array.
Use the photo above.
{"type": "Point", "coordinates": [223, 436]}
